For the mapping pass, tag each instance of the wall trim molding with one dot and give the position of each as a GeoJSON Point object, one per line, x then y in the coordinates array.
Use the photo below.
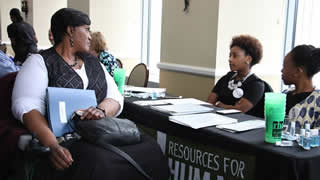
{"type": "Point", "coordinates": [261, 71]}
{"type": "Point", "coordinates": [209, 72]}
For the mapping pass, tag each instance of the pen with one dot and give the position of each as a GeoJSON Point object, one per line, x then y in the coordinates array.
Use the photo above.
{"type": "Point", "coordinates": [172, 97]}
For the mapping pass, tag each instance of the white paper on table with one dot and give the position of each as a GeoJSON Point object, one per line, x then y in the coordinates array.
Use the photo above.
{"type": "Point", "coordinates": [197, 121]}
{"type": "Point", "coordinates": [244, 126]}
{"type": "Point", "coordinates": [150, 102]}
{"type": "Point", "coordinates": [186, 101]}
{"type": "Point", "coordinates": [144, 89]}
{"type": "Point", "coordinates": [182, 109]}
{"type": "Point", "coordinates": [170, 101]}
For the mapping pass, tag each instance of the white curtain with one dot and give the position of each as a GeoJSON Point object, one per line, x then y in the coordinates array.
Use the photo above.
{"type": "Point", "coordinates": [308, 25]}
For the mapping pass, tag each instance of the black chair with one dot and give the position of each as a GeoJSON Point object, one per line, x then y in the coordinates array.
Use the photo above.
{"type": "Point", "coordinates": [119, 63]}
{"type": "Point", "coordinates": [139, 76]}
{"type": "Point", "coordinates": [259, 108]}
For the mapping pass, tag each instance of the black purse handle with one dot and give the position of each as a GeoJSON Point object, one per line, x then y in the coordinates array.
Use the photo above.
{"type": "Point", "coordinates": [75, 117]}
{"type": "Point", "coordinates": [125, 156]}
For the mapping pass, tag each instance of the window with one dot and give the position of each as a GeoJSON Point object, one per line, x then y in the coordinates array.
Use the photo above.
{"type": "Point", "coordinates": [303, 27]}
{"type": "Point", "coordinates": [151, 36]}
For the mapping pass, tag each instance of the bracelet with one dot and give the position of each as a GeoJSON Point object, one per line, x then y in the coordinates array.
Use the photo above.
{"type": "Point", "coordinates": [104, 112]}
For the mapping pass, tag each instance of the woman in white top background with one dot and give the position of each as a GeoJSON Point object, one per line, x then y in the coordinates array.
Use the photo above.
{"type": "Point", "coordinates": [68, 64]}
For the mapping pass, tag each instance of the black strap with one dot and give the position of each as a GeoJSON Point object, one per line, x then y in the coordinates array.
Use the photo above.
{"type": "Point", "coordinates": [125, 156]}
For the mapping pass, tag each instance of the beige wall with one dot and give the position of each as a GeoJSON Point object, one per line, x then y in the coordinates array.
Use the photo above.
{"type": "Point", "coordinates": [120, 22]}
{"type": "Point", "coordinates": [82, 5]}
{"type": "Point", "coordinates": [201, 39]}
{"type": "Point", "coordinates": [5, 7]}
{"type": "Point", "coordinates": [189, 38]}
{"type": "Point", "coordinates": [186, 85]}
{"type": "Point", "coordinates": [254, 18]}
{"type": "Point", "coordinates": [42, 12]}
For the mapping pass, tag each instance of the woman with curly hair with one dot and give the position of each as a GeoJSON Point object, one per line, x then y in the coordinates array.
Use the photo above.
{"type": "Point", "coordinates": [98, 47]}
{"type": "Point", "coordinates": [240, 89]}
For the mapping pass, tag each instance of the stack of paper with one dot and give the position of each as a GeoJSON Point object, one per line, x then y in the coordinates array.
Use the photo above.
{"type": "Point", "coordinates": [182, 109]}
{"type": "Point", "coordinates": [170, 101]}
{"type": "Point", "coordinates": [197, 121]}
{"type": "Point", "coordinates": [144, 89]}
{"type": "Point", "coordinates": [243, 126]}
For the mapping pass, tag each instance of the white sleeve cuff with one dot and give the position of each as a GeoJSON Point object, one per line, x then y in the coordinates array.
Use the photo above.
{"type": "Point", "coordinates": [25, 105]}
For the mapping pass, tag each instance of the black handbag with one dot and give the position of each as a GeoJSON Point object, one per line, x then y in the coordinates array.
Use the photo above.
{"type": "Point", "coordinates": [109, 130]}
{"type": "Point", "coordinates": [108, 133]}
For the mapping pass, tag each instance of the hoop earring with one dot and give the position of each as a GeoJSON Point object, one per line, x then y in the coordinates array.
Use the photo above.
{"type": "Point", "coordinates": [71, 42]}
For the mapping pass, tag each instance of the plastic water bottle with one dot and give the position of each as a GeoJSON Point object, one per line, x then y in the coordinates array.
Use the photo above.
{"type": "Point", "coordinates": [302, 136]}
{"type": "Point", "coordinates": [307, 141]}
{"type": "Point", "coordinates": [292, 131]}
{"type": "Point", "coordinates": [154, 95]}
{"type": "Point", "coordinates": [292, 128]}
{"type": "Point", "coordinates": [307, 127]}
{"type": "Point", "coordinates": [314, 138]}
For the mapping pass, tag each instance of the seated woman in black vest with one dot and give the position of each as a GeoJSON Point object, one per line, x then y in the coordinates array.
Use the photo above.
{"type": "Point", "coordinates": [240, 89]}
{"type": "Point", "coordinates": [299, 67]}
{"type": "Point", "coordinates": [68, 64]}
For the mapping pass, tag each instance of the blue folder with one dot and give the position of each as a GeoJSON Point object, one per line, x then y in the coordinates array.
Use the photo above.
{"type": "Point", "coordinates": [62, 103]}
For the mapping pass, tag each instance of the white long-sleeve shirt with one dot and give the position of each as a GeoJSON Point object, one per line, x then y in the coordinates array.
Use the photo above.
{"type": "Point", "coordinates": [29, 92]}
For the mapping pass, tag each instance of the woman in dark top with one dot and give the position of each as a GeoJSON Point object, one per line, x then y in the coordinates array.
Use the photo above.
{"type": "Point", "coordinates": [240, 89]}
{"type": "Point", "coordinates": [298, 69]}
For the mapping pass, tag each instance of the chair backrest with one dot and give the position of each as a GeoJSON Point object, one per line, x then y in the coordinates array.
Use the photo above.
{"type": "Point", "coordinates": [119, 63]}
{"type": "Point", "coordinates": [139, 76]}
{"type": "Point", "coordinates": [259, 108]}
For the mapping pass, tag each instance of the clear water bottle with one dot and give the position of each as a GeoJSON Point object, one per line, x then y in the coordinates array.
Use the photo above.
{"type": "Point", "coordinates": [307, 127]}
{"type": "Point", "coordinates": [314, 138]}
{"type": "Point", "coordinates": [307, 141]}
{"type": "Point", "coordinates": [302, 136]}
{"type": "Point", "coordinates": [292, 128]}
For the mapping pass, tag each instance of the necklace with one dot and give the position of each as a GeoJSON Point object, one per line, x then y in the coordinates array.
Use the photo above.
{"type": "Point", "coordinates": [233, 85]}
{"type": "Point", "coordinates": [75, 62]}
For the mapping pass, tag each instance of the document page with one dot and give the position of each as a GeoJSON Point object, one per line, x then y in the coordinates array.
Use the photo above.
{"type": "Point", "coordinates": [144, 89]}
{"type": "Point", "coordinates": [170, 101]}
{"type": "Point", "coordinates": [197, 121]}
{"type": "Point", "coordinates": [182, 109]}
{"type": "Point", "coordinates": [243, 126]}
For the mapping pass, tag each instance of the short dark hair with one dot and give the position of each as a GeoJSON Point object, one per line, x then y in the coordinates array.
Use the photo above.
{"type": "Point", "coordinates": [15, 12]}
{"type": "Point", "coordinates": [250, 45]}
{"type": "Point", "coordinates": [307, 57]}
{"type": "Point", "coordinates": [66, 17]}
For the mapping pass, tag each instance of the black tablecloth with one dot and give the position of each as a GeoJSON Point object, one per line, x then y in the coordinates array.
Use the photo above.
{"type": "Point", "coordinates": [272, 162]}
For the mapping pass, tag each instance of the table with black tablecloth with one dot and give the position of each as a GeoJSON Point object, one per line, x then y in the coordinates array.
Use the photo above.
{"type": "Point", "coordinates": [211, 153]}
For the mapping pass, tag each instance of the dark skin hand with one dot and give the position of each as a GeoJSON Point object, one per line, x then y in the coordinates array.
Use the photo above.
{"type": "Point", "coordinates": [92, 114]}
{"type": "Point", "coordinates": [60, 157]}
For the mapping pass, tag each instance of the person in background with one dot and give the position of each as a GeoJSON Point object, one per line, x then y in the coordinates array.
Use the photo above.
{"type": "Point", "coordinates": [22, 36]}
{"type": "Point", "coordinates": [3, 48]}
{"type": "Point", "coordinates": [6, 65]}
{"type": "Point", "coordinates": [69, 64]}
{"type": "Point", "coordinates": [299, 67]}
{"type": "Point", "coordinates": [240, 88]}
{"type": "Point", "coordinates": [98, 47]}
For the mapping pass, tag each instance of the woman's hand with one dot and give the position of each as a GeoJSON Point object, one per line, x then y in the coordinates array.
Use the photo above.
{"type": "Point", "coordinates": [92, 114]}
{"type": "Point", "coordinates": [219, 104]}
{"type": "Point", "coordinates": [60, 157]}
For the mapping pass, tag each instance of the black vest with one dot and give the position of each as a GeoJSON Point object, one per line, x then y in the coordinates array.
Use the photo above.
{"type": "Point", "coordinates": [60, 74]}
